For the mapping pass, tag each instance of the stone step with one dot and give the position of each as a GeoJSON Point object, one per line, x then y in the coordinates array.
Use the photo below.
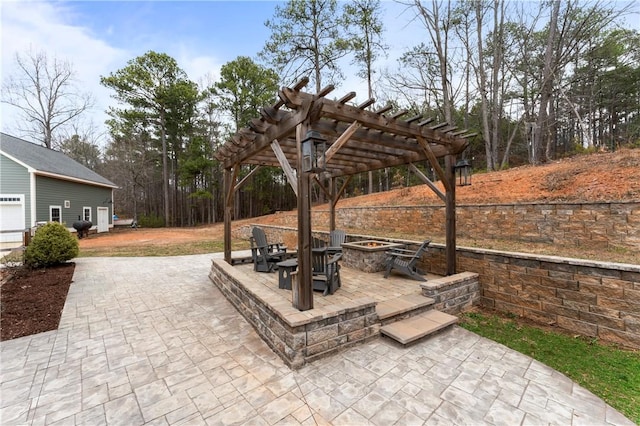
{"type": "Point", "coordinates": [417, 327]}
{"type": "Point", "coordinates": [403, 305]}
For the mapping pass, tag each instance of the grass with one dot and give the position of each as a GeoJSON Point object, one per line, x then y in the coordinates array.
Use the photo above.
{"type": "Point", "coordinates": [612, 254]}
{"type": "Point", "coordinates": [201, 247]}
{"type": "Point", "coordinates": [611, 373]}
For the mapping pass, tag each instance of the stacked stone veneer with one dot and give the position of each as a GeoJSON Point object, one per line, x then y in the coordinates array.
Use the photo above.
{"type": "Point", "coordinates": [453, 294]}
{"type": "Point", "coordinates": [605, 225]}
{"type": "Point", "coordinates": [599, 299]}
{"type": "Point", "coordinates": [297, 337]}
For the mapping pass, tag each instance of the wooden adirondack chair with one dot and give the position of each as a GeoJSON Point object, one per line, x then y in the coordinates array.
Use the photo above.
{"type": "Point", "coordinates": [336, 238]}
{"type": "Point", "coordinates": [265, 255]}
{"type": "Point", "coordinates": [326, 271]}
{"type": "Point", "coordinates": [405, 261]}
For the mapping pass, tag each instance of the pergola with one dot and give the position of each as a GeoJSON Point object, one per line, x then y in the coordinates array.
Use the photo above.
{"type": "Point", "coordinates": [357, 140]}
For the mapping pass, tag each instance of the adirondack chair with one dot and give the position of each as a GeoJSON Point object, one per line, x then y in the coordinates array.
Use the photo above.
{"type": "Point", "coordinates": [326, 271]}
{"type": "Point", "coordinates": [336, 238]}
{"type": "Point", "coordinates": [404, 261]}
{"type": "Point", "coordinates": [265, 255]}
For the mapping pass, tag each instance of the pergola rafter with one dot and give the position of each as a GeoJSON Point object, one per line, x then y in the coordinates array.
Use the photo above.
{"type": "Point", "coordinates": [358, 140]}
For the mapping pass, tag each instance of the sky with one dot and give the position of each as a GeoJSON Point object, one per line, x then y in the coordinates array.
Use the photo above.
{"type": "Point", "coordinates": [100, 37]}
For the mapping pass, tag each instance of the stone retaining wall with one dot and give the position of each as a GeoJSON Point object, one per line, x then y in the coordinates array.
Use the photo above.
{"type": "Point", "coordinates": [599, 299]}
{"type": "Point", "coordinates": [453, 294]}
{"type": "Point", "coordinates": [604, 225]}
{"type": "Point", "coordinates": [297, 337]}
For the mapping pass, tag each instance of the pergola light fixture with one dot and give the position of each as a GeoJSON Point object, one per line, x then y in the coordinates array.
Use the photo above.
{"type": "Point", "coordinates": [463, 170]}
{"type": "Point", "coordinates": [313, 152]}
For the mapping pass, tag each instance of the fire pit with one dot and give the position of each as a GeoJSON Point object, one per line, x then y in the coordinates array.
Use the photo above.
{"type": "Point", "coordinates": [366, 256]}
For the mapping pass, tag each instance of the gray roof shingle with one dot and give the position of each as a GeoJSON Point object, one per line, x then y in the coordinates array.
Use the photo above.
{"type": "Point", "coordinates": [46, 160]}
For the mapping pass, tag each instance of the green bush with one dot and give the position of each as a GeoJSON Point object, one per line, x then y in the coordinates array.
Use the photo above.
{"type": "Point", "coordinates": [52, 244]}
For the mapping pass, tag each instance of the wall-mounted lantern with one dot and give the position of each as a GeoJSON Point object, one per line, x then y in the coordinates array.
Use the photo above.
{"type": "Point", "coordinates": [463, 170]}
{"type": "Point", "coordinates": [313, 152]}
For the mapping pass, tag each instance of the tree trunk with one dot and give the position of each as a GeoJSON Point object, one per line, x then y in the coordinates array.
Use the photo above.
{"type": "Point", "coordinates": [484, 103]}
{"type": "Point", "coordinates": [546, 91]}
{"type": "Point", "coordinates": [165, 168]}
{"type": "Point", "coordinates": [496, 95]}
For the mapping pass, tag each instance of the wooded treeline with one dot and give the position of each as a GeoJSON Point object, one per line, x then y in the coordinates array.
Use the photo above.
{"type": "Point", "coordinates": [536, 81]}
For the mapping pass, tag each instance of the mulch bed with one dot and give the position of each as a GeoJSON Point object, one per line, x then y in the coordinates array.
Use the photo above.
{"type": "Point", "coordinates": [32, 300]}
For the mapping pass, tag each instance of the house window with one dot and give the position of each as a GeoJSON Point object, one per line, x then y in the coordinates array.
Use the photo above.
{"type": "Point", "coordinates": [13, 200]}
{"type": "Point", "coordinates": [86, 213]}
{"type": "Point", "coordinates": [55, 214]}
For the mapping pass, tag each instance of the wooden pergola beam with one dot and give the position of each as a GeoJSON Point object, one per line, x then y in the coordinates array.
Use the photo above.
{"type": "Point", "coordinates": [434, 163]}
{"type": "Point", "coordinates": [245, 179]}
{"type": "Point", "coordinates": [338, 143]}
{"type": "Point", "coordinates": [367, 103]}
{"type": "Point", "coordinates": [387, 107]}
{"type": "Point", "coordinates": [282, 130]}
{"type": "Point", "coordinates": [427, 182]}
{"type": "Point", "coordinates": [286, 166]}
{"type": "Point", "coordinates": [346, 98]}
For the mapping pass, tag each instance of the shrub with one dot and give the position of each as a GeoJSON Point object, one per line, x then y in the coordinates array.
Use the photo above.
{"type": "Point", "coordinates": [52, 244]}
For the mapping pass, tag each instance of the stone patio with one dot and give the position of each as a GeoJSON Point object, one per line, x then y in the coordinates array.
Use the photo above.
{"type": "Point", "coordinates": [150, 341]}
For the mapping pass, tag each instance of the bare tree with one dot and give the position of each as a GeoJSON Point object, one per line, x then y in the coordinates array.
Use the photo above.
{"type": "Point", "coordinates": [436, 18]}
{"type": "Point", "coordinates": [45, 93]}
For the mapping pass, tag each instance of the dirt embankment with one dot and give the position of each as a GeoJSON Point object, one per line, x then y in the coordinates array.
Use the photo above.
{"type": "Point", "coordinates": [583, 178]}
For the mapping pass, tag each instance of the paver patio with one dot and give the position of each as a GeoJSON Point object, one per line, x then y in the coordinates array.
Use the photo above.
{"type": "Point", "coordinates": [152, 341]}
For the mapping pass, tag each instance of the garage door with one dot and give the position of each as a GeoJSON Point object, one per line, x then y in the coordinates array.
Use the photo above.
{"type": "Point", "coordinates": [11, 218]}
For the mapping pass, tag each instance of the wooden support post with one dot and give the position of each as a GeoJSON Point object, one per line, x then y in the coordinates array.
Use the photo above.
{"type": "Point", "coordinates": [303, 286]}
{"type": "Point", "coordinates": [228, 206]}
{"type": "Point", "coordinates": [332, 205]}
{"type": "Point", "coordinates": [450, 214]}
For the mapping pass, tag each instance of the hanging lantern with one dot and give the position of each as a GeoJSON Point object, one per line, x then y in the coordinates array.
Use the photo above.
{"type": "Point", "coordinates": [463, 170]}
{"type": "Point", "coordinates": [313, 152]}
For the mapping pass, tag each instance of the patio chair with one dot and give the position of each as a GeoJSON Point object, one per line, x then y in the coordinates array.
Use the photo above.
{"type": "Point", "coordinates": [317, 243]}
{"type": "Point", "coordinates": [265, 255]}
{"type": "Point", "coordinates": [336, 238]}
{"type": "Point", "coordinates": [326, 272]}
{"type": "Point", "coordinates": [404, 261]}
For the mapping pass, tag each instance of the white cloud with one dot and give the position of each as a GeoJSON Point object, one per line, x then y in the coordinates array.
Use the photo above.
{"type": "Point", "coordinates": [198, 66]}
{"type": "Point", "coordinates": [40, 26]}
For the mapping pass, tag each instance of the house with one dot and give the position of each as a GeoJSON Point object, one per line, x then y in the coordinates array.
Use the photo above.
{"type": "Point", "coordinates": [38, 185]}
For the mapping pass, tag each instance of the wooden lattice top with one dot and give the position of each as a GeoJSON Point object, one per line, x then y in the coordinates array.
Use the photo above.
{"type": "Point", "coordinates": [358, 139]}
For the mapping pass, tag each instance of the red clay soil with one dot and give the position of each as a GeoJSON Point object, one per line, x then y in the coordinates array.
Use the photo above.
{"type": "Point", "coordinates": [32, 300]}
{"type": "Point", "coordinates": [583, 178]}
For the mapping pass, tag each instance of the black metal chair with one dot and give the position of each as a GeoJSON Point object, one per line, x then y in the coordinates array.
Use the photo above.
{"type": "Point", "coordinates": [265, 255]}
{"type": "Point", "coordinates": [405, 261]}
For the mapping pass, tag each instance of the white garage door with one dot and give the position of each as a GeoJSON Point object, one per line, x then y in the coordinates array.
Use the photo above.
{"type": "Point", "coordinates": [11, 218]}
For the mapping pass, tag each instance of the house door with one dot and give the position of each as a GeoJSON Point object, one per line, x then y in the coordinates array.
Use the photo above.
{"type": "Point", "coordinates": [12, 218]}
{"type": "Point", "coordinates": [103, 219]}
